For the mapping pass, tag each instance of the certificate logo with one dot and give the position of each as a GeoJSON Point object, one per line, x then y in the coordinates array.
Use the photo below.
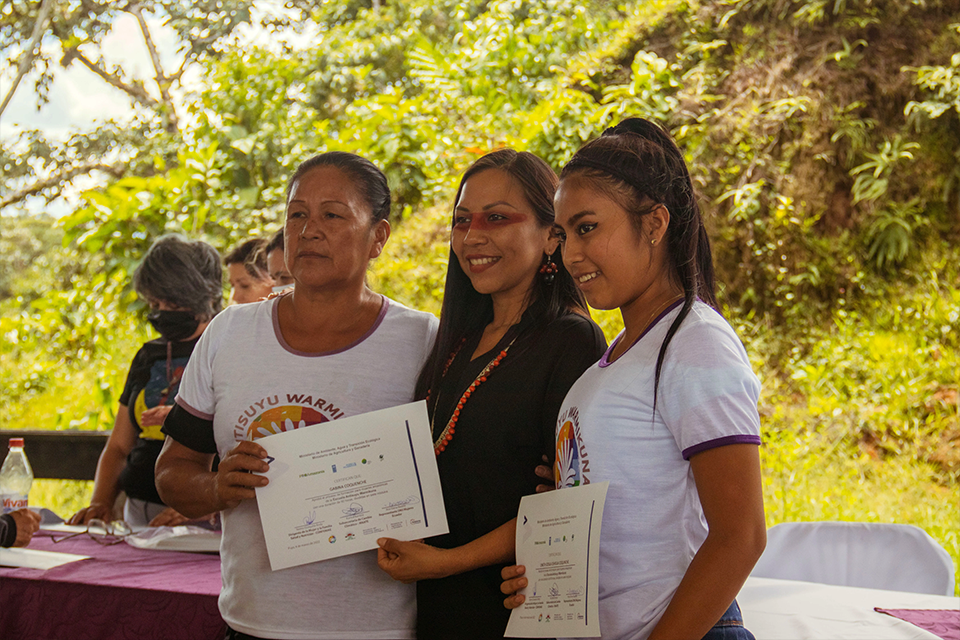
{"type": "Point", "coordinates": [332, 539]}
{"type": "Point", "coordinates": [350, 536]}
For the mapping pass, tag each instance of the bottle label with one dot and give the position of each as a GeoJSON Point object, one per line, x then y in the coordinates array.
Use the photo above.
{"type": "Point", "coordinates": [13, 501]}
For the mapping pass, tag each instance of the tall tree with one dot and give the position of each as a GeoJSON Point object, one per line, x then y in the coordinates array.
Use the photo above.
{"type": "Point", "coordinates": [42, 39]}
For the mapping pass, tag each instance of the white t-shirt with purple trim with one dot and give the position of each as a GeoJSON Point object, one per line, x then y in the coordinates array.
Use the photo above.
{"type": "Point", "coordinates": [246, 379]}
{"type": "Point", "coordinates": [653, 523]}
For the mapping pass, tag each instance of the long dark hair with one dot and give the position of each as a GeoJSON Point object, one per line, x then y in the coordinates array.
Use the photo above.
{"type": "Point", "coordinates": [466, 311]}
{"type": "Point", "coordinates": [639, 166]}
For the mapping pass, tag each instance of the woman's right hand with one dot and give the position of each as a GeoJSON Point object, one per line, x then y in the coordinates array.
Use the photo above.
{"type": "Point", "coordinates": [94, 511]}
{"type": "Point", "coordinates": [236, 478]}
{"type": "Point", "coordinates": [28, 522]}
{"type": "Point", "coordinates": [513, 581]}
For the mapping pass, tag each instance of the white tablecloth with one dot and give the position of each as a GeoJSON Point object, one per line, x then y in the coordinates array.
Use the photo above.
{"type": "Point", "coordinates": [794, 610]}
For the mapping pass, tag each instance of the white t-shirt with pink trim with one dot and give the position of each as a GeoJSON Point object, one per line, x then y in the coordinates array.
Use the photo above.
{"type": "Point", "coordinates": [246, 379]}
{"type": "Point", "coordinates": [653, 523]}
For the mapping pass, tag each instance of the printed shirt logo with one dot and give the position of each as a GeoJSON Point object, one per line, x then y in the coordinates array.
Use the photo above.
{"type": "Point", "coordinates": [572, 466]}
{"type": "Point", "coordinates": [268, 416]}
{"type": "Point", "coordinates": [283, 419]}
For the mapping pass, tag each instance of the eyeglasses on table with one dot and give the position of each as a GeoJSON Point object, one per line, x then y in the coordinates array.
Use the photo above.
{"type": "Point", "coordinates": [101, 532]}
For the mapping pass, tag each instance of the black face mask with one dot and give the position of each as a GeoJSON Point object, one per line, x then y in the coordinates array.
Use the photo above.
{"type": "Point", "coordinates": [174, 325]}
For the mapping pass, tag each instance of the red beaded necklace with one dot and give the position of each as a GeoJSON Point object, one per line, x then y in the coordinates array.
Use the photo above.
{"type": "Point", "coordinates": [447, 434]}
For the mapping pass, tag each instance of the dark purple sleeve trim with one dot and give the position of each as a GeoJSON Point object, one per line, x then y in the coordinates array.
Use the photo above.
{"type": "Point", "coordinates": [194, 412]}
{"type": "Point", "coordinates": [719, 442]}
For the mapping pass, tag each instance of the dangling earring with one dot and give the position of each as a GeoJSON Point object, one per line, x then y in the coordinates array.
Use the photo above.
{"type": "Point", "coordinates": [548, 269]}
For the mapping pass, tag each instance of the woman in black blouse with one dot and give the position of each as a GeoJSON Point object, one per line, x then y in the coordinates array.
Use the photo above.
{"type": "Point", "coordinates": [514, 336]}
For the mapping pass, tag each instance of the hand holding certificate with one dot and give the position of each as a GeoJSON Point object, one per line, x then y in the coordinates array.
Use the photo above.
{"type": "Point", "coordinates": [336, 487]}
{"type": "Point", "coordinates": [558, 541]}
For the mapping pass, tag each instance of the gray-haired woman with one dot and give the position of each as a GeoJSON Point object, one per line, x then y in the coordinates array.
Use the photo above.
{"type": "Point", "coordinates": [181, 281]}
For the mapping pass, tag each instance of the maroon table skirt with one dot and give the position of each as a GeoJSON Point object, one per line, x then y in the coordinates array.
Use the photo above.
{"type": "Point", "coordinates": [119, 593]}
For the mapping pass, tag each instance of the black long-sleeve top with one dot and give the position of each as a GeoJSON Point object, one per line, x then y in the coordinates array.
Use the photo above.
{"type": "Point", "coordinates": [504, 428]}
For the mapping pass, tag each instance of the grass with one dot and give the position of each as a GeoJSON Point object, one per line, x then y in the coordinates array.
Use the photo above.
{"type": "Point", "coordinates": [809, 477]}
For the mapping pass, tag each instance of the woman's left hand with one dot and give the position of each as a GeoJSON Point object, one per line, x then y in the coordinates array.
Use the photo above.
{"type": "Point", "coordinates": [168, 518]}
{"type": "Point", "coordinates": [412, 561]}
{"type": "Point", "coordinates": [513, 581]}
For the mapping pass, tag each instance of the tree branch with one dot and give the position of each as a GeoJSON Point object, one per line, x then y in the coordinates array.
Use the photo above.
{"type": "Point", "coordinates": [163, 82]}
{"type": "Point", "coordinates": [138, 93]}
{"type": "Point", "coordinates": [64, 176]}
{"type": "Point", "coordinates": [28, 55]}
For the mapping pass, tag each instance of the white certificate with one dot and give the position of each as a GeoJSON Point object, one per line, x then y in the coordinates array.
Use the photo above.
{"type": "Point", "coordinates": [337, 487]}
{"type": "Point", "coordinates": [558, 541]}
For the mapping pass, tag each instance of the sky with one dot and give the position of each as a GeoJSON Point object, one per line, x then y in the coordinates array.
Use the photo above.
{"type": "Point", "coordinates": [78, 98]}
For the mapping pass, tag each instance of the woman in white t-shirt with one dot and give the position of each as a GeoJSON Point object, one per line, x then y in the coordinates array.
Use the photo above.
{"type": "Point", "coordinates": [329, 348]}
{"type": "Point", "coordinates": [669, 414]}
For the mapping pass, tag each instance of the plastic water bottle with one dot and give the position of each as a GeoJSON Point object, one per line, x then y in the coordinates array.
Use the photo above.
{"type": "Point", "coordinates": [16, 477]}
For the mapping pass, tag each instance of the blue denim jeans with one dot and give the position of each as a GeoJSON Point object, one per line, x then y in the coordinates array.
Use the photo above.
{"type": "Point", "coordinates": [730, 626]}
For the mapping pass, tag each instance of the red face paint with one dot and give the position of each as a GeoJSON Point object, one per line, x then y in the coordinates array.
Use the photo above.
{"type": "Point", "coordinates": [486, 220]}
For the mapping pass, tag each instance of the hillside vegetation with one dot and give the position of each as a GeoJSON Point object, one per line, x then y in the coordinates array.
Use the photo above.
{"type": "Point", "coordinates": [824, 137]}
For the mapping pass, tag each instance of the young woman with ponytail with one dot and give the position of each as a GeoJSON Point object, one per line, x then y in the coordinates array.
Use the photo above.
{"type": "Point", "coordinates": [669, 414]}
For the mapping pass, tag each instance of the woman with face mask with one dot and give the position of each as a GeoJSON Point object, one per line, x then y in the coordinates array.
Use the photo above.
{"type": "Point", "coordinates": [181, 281]}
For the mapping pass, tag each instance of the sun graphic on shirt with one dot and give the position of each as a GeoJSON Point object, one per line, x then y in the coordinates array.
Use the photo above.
{"type": "Point", "coordinates": [566, 469]}
{"type": "Point", "coordinates": [280, 419]}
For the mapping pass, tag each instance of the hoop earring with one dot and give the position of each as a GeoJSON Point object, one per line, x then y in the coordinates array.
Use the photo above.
{"type": "Point", "coordinates": [548, 269]}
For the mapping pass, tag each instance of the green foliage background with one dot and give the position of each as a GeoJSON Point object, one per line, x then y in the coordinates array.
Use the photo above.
{"type": "Point", "coordinates": [824, 138]}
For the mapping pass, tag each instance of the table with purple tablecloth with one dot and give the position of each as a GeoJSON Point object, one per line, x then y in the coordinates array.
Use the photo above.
{"type": "Point", "coordinates": [119, 593]}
